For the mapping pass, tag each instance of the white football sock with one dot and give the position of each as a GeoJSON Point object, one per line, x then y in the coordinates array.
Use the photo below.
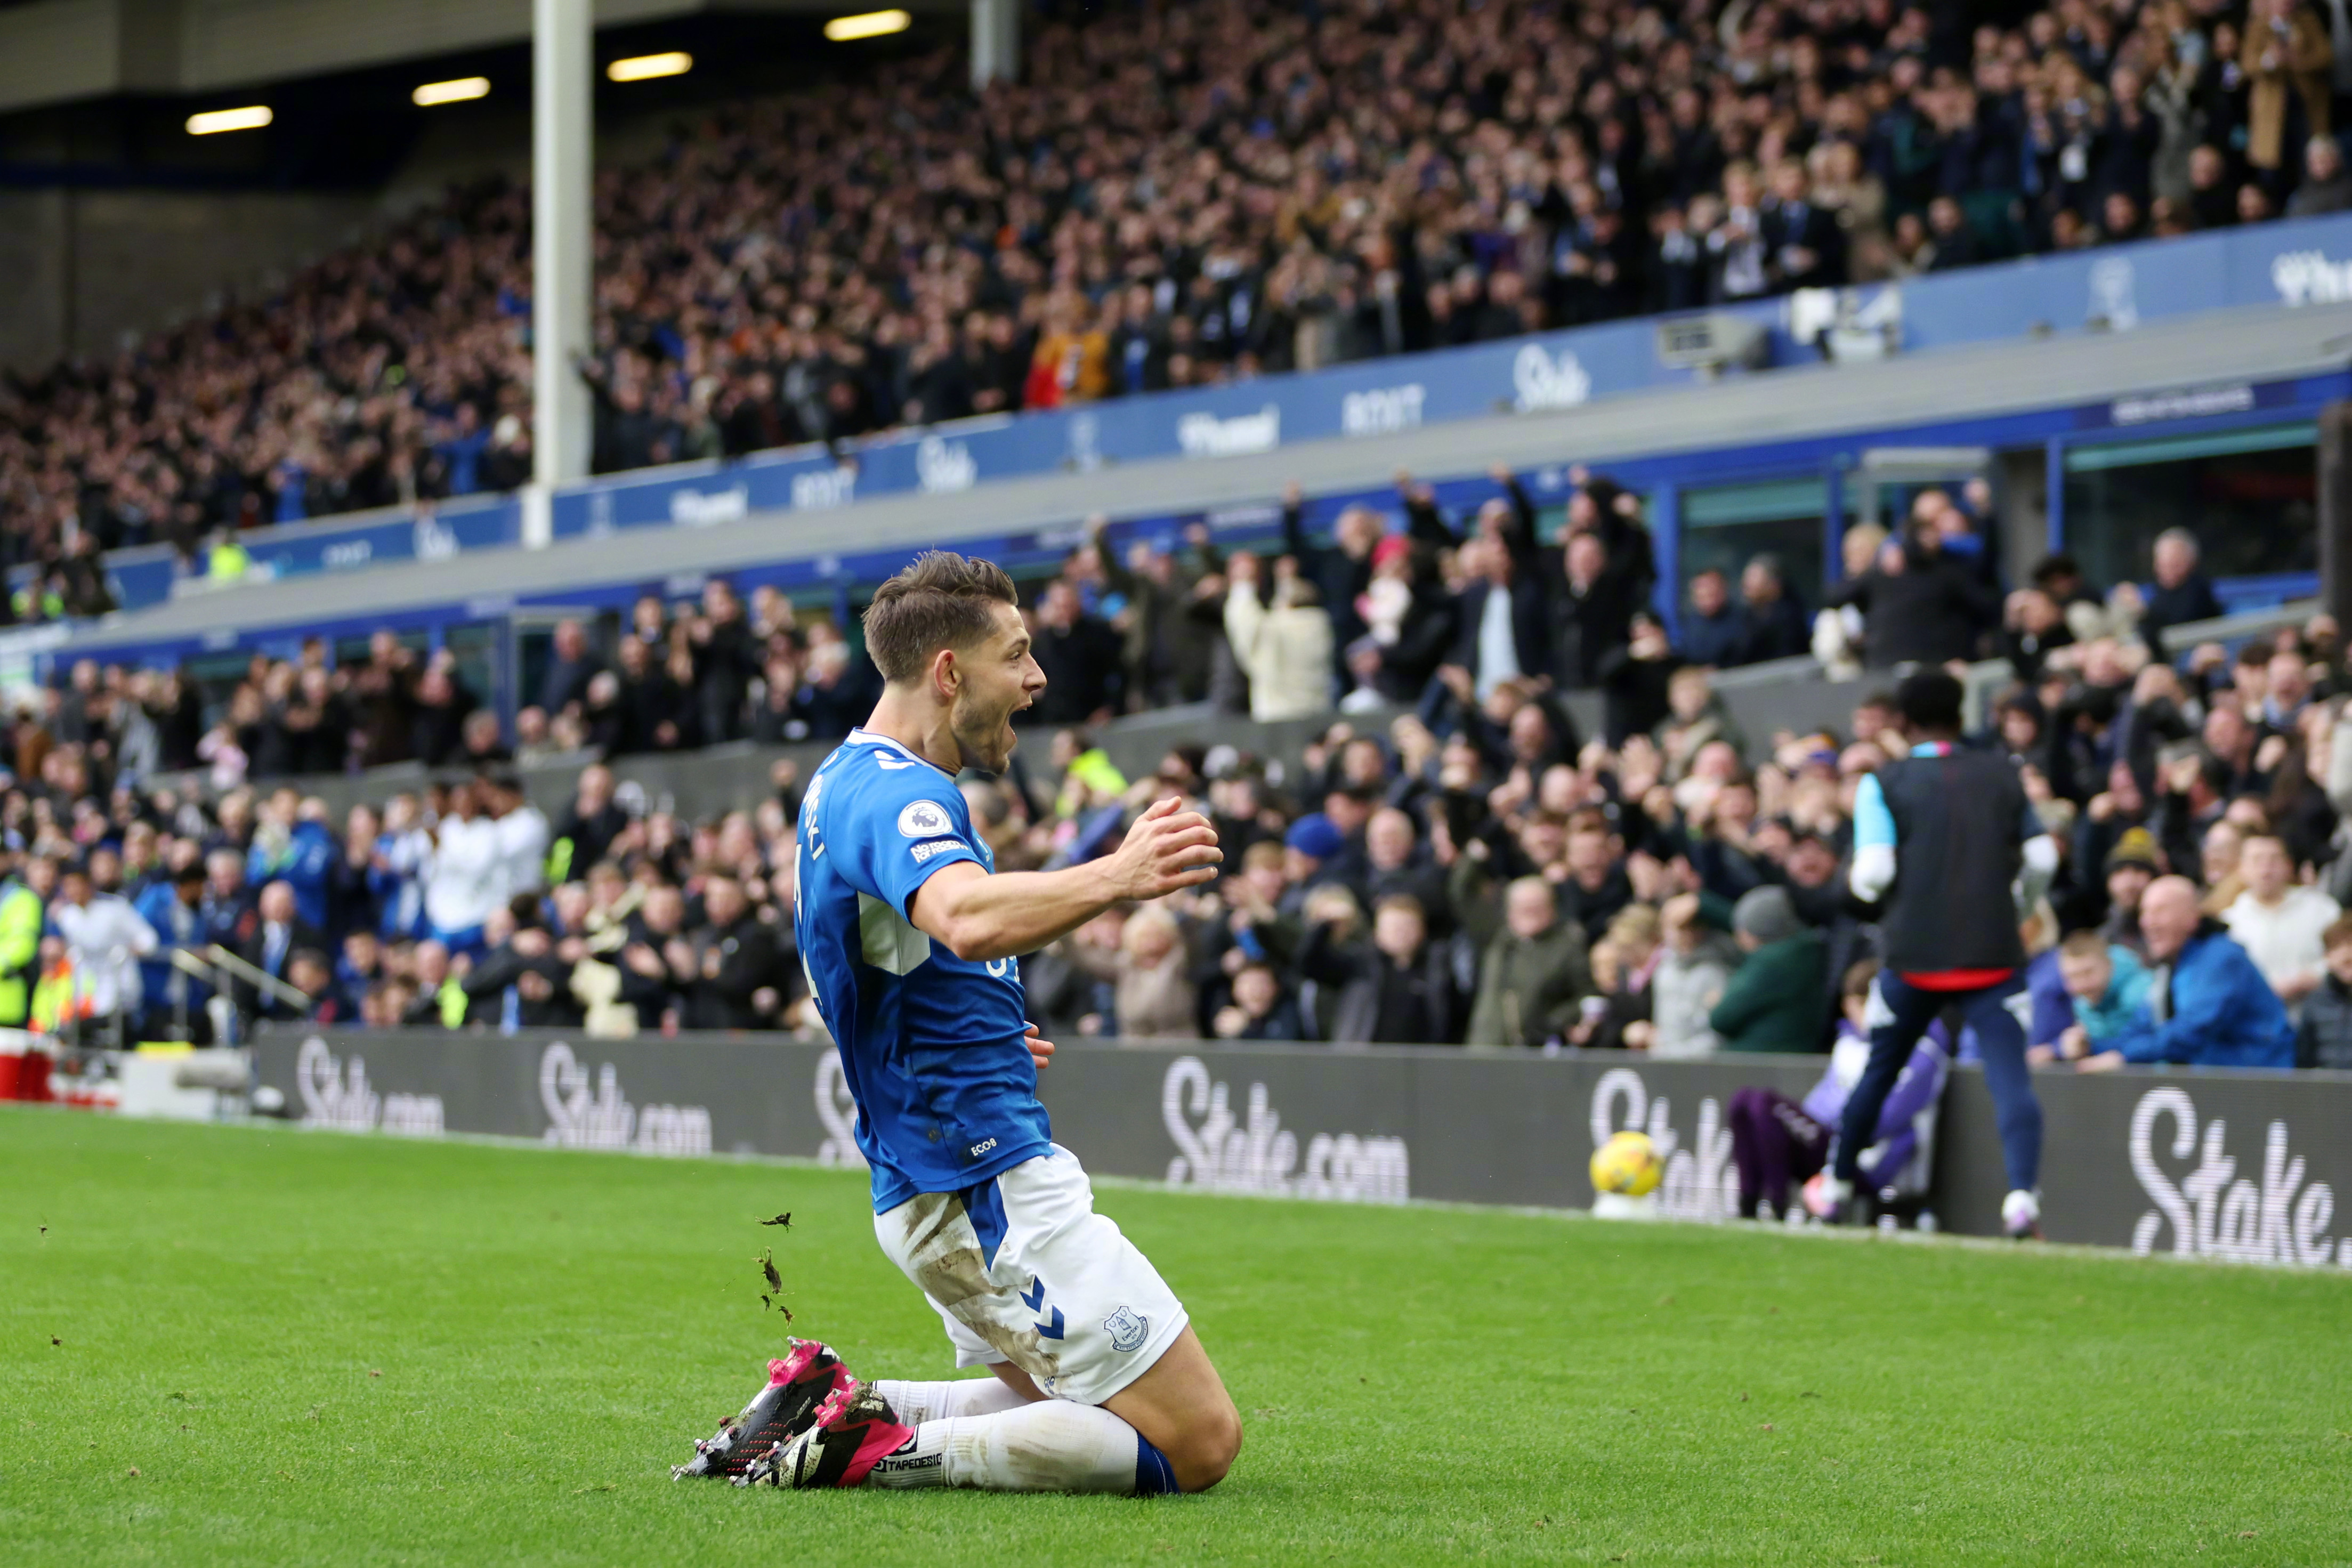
{"type": "Point", "coordinates": [1051, 1445]}
{"type": "Point", "coordinates": [916, 1402]}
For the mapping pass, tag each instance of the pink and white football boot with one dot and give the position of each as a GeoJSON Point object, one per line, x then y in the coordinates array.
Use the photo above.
{"type": "Point", "coordinates": [854, 1431]}
{"type": "Point", "coordinates": [799, 1383]}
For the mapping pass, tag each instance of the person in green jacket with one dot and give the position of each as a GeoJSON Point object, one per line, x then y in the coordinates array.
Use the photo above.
{"type": "Point", "coordinates": [39, 600]}
{"type": "Point", "coordinates": [1778, 999]}
{"type": "Point", "coordinates": [228, 560]}
{"type": "Point", "coordinates": [1535, 970]}
{"type": "Point", "coordinates": [22, 912]}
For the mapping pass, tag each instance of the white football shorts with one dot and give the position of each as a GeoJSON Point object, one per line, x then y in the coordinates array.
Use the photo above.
{"type": "Point", "coordinates": [1022, 1269]}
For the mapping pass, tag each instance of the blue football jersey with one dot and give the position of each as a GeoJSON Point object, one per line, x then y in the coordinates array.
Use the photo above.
{"type": "Point", "coordinates": [933, 1046]}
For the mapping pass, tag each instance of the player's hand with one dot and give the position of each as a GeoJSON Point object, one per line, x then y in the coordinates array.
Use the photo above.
{"type": "Point", "coordinates": [1165, 849]}
{"type": "Point", "coordinates": [1040, 1051]}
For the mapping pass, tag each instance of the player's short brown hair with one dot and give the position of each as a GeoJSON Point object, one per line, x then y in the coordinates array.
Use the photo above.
{"type": "Point", "coordinates": [938, 600]}
{"type": "Point", "coordinates": [2337, 935]}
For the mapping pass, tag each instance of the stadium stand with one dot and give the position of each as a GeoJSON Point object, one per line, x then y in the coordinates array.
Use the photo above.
{"type": "Point", "coordinates": [1502, 861]}
{"type": "Point", "coordinates": [1639, 689]}
{"type": "Point", "coordinates": [1488, 770]}
{"type": "Point", "coordinates": [1179, 196]}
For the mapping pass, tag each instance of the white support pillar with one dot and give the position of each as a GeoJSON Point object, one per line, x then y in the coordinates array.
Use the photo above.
{"type": "Point", "coordinates": [996, 41]}
{"type": "Point", "coordinates": [562, 251]}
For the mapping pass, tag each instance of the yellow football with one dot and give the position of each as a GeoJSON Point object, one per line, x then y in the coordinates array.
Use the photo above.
{"type": "Point", "coordinates": [1627, 1164]}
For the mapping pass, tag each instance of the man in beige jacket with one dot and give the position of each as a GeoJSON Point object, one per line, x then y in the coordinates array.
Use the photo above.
{"type": "Point", "coordinates": [1284, 646]}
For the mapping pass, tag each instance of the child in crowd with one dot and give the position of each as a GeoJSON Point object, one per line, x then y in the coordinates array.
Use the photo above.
{"type": "Point", "coordinates": [2109, 987]}
{"type": "Point", "coordinates": [1688, 983]}
{"type": "Point", "coordinates": [2323, 1038]}
{"type": "Point", "coordinates": [1259, 1011]}
{"type": "Point", "coordinates": [1622, 964]}
{"type": "Point", "coordinates": [1775, 1141]}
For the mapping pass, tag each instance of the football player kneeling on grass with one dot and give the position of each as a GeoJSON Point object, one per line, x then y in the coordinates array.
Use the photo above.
{"type": "Point", "coordinates": [910, 938]}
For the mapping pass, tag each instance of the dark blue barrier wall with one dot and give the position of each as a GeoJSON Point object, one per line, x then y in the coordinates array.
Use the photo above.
{"type": "Point", "coordinates": [2236, 1165]}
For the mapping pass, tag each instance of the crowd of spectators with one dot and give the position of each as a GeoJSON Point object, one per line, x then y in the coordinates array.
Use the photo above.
{"type": "Point", "coordinates": [1455, 858]}
{"type": "Point", "coordinates": [1468, 864]}
{"type": "Point", "coordinates": [1408, 606]}
{"type": "Point", "coordinates": [677, 676]}
{"type": "Point", "coordinates": [446, 907]}
{"type": "Point", "coordinates": [1184, 194]}
{"type": "Point", "coordinates": [1500, 879]}
{"type": "Point", "coordinates": [1366, 618]}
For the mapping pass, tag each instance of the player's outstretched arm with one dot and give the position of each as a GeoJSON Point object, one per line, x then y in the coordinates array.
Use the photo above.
{"type": "Point", "coordinates": [980, 915]}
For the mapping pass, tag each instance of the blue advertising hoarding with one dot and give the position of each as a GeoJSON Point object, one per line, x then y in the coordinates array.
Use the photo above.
{"type": "Point", "coordinates": [144, 576]}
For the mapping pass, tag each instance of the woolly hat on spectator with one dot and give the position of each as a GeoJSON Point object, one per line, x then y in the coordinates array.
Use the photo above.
{"type": "Point", "coordinates": [1766, 914]}
{"type": "Point", "coordinates": [2136, 848]}
{"type": "Point", "coordinates": [1315, 835]}
{"type": "Point", "coordinates": [1390, 547]}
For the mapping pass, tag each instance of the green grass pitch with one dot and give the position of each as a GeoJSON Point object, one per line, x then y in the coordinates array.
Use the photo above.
{"type": "Point", "coordinates": [268, 1346]}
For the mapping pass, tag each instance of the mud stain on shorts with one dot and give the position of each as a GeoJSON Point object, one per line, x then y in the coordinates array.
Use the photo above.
{"type": "Point", "coordinates": [942, 1250]}
{"type": "Point", "coordinates": [943, 1254]}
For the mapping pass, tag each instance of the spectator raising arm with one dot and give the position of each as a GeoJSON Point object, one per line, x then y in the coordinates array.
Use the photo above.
{"type": "Point", "coordinates": [1284, 647]}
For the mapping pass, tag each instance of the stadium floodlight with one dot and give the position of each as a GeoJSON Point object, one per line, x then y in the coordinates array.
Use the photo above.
{"type": "Point", "coordinates": [646, 68]}
{"type": "Point", "coordinates": [433, 93]}
{"type": "Point", "coordinates": [867, 24]}
{"type": "Point", "coordinates": [213, 122]}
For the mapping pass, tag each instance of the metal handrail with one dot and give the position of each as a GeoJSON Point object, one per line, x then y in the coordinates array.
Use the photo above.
{"type": "Point", "coordinates": [216, 956]}
{"type": "Point", "coordinates": [2232, 628]}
